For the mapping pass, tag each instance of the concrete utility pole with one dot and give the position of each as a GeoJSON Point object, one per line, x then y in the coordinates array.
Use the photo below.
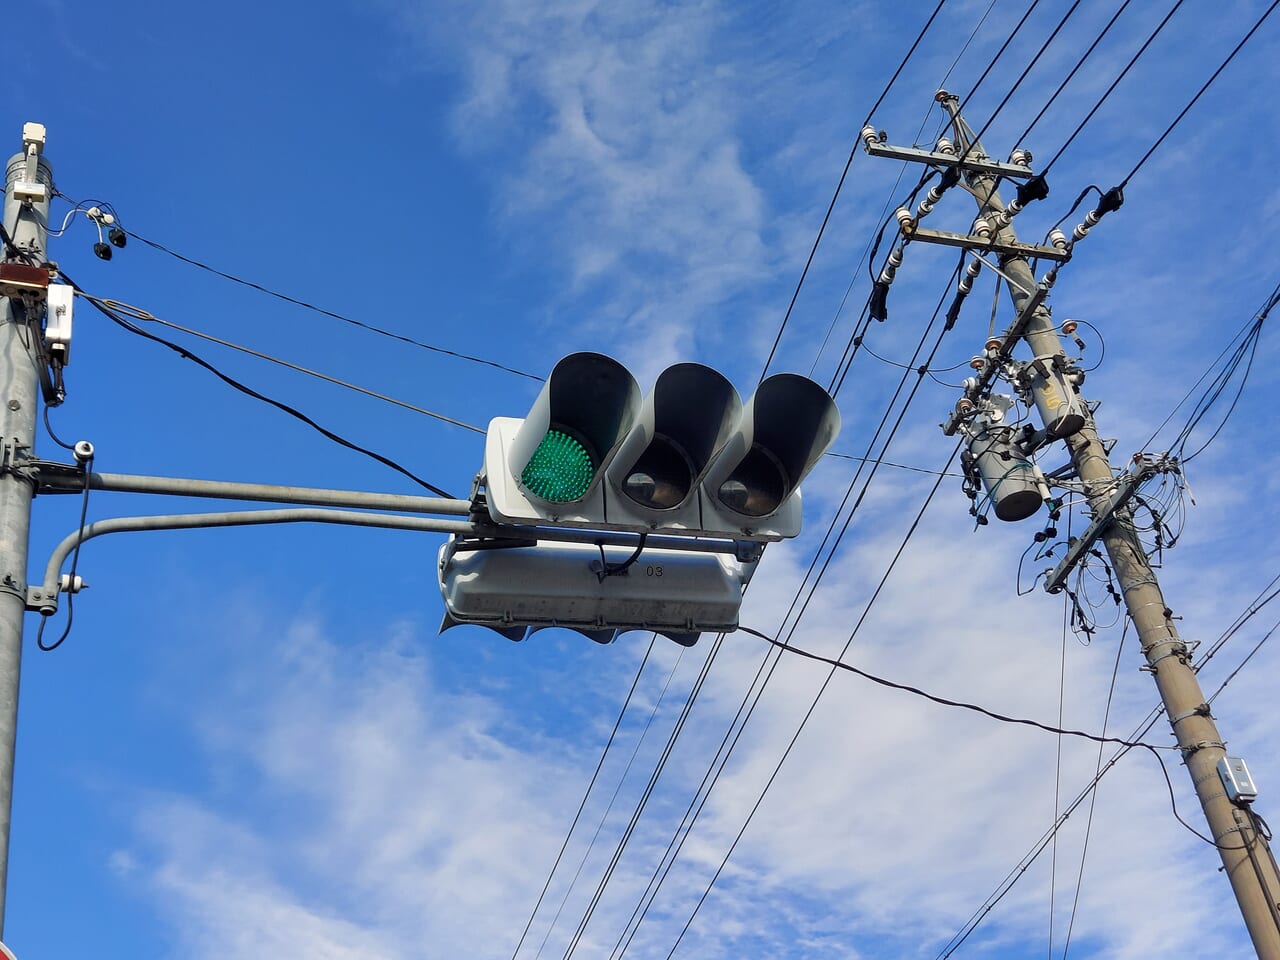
{"type": "Point", "coordinates": [28, 186]}
{"type": "Point", "coordinates": [1246, 856]}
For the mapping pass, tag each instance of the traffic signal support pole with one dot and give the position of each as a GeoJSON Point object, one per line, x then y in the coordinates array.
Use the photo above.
{"type": "Point", "coordinates": [26, 224]}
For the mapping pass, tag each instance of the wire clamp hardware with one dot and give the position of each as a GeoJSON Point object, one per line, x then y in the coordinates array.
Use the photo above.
{"type": "Point", "coordinates": [1200, 711]}
{"type": "Point", "coordinates": [1187, 749]}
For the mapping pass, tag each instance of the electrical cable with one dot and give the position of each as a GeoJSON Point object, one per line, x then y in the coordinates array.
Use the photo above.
{"type": "Point", "coordinates": [138, 313]}
{"type": "Point", "coordinates": [48, 427]}
{"type": "Point", "coordinates": [1067, 79]}
{"type": "Point", "coordinates": [722, 758]}
{"type": "Point", "coordinates": [676, 730]}
{"type": "Point", "coordinates": [838, 664]}
{"type": "Point", "coordinates": [71, 588]}
{"type": "Point", "coordinates": [1057, 767]}
{"type": "Point", "coordinates": [808, 713]}
{"type": "Point", "coordinates": [15, 251]}
{"type": "Point", "coordinates": [249, 391]}
{"type": "Point", "coordinates": [1017, 27]}
{"type": "Point", "coordinates": [1178, 119]}
{"type": "Point", "coordinates": [853, 152]}
{"type": "Point", "coordinates": [888, 463]}
{"type": "Point", "coordinates": [692, 811]}
{"type": "Point", "coordinates": [1254, 607]}
{"type": "Point", "coordinates": [587, 793]}
{"type": "Point", "coordinates": [1246, 331]}
{"type": "Point", "coordinates": [613, 798]}
{"type": "Point", "coordinates": [884, 212]}
{"type": "Point", "coordinates": [1114, 83]}
{"type": "Point", "coordinates": [371, 328]}
{"type": "Point", "coordinates": [1093, 794]}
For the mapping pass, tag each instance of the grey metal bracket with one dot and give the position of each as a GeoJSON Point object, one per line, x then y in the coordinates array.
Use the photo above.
{"type": "Point", "coordinates": [971, 241]}
{"type": "Point", "coordinates": [1129, 483]}
{"type": "Point", "coordinates": [70, 476]}
{"type": "Point", "coordinates": [977, 164]}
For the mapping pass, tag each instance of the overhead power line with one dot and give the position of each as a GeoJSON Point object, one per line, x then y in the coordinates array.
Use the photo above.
{"type": "Point", "coordinates": [129, 325]}
{"type": "Point", "coordinates": [297, 302]}
{"type": "Point", "coordinates": [840, 185]}
{"type": "Point", "coordinates": [138, 313]}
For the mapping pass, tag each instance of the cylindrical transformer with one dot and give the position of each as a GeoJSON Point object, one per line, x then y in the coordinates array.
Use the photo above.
{"type": "Point", "coordinates": [1057, 402]}
{"type": "Point", "coordinates": [1008, 476]}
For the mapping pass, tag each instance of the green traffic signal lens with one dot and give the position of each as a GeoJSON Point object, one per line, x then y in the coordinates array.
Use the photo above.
{"type": "Point", "coordinates": [560, 470]}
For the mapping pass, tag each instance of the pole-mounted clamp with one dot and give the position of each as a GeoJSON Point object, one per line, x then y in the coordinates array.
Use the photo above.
{"type": "Point", "coordinates": [1189, 748]}
{"type": "Point", "coordinates": [15, 462]}
{"type": "Point", "coordinates": [1200, 711]}
{"type": "Point", "coordinates": [1177, 648]}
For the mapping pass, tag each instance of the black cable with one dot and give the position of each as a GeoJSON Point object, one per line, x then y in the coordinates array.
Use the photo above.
{"type": "Point", "coordinates": [1097, 771]}
{"type": "Point", "coordinates": [694, 809]}
{"type": "Point", "coordinates": [249, 391]}
{"type": "Point", "coordinates": [853, 152]}
{"type": "Point", "coordinates": [1178, 119]}
{"type": "Point", "coordinates": [322, 311]}
{"type": "Point", "coordinates": [587, 793]}
{"type": "Point", "coordinates": [812, 705]}
{"type": "Point", "coordinates": [723, 760]}
{"type": "Point", "coordinates": [676, 730]}
{"type": "Point", "coordinates": [1114, 83]}
{"type": "Point", "coordinates": [1003, 47]}
{"type": "Point", "coordinates": [15, 252]}
{"type": "Point", "coordinates": [137, 313]}
{"type": "Point", "coordinates": [944, 701]}
{"type": "Point", "coordinates": [813, 587]}
{"type": "Point", "coordinates": [87, 466]}
{"type": "Point", "coordinates": [1067, 79]}
{"type": "Point", "coordinates": [48, 427]}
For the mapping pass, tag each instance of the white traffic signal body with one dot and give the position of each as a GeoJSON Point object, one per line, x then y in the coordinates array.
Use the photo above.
{"type": "Point", "coordinates": [688, 460]}
{"type": "Point", "coordinates": [677, 593]}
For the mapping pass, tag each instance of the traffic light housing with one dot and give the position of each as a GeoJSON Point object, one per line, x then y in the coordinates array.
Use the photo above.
{"type": "Point", "coordinates": [597, 591]}
{"type": "Point", "coordinates": [689, 459]}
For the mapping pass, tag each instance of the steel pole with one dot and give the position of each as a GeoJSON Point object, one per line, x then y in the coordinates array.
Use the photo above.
{"type": "Point", "coordinates": [26, 223]}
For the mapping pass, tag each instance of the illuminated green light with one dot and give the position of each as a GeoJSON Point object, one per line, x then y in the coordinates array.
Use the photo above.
{"type": "Point", "coordinates": [560, 470]}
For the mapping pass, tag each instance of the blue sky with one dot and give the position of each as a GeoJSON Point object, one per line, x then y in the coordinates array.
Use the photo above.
{"type": "Point", "coordinates": [254, 743]}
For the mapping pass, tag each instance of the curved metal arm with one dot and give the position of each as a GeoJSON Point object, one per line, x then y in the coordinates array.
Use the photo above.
{"type": "Point", "coordinates": [45, 597]}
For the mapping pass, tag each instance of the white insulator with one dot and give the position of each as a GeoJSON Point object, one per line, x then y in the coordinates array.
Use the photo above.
{"type": "Point", "coordinates": [1058, 238]}
{"type": "Point", "coordinates": [981, 227]}
{"type": "Point", "coordinates": [1021, 157]}
{"type": "Point", "coordinates": [905, 223]}
{"type": "Point", "coordinates": [869, 135]}
{"type": "Point", "coordinates": [895, 257]}
{"type": "Point", "coordinates": [1090, 221]}
{"type": "Point", "coordinates": [970, 384]}
{"type": "Point", "coordinates": [966, 284]}
{"type": "Point", "coordinates": [925, 208]}
{"type": "Point", "coordinates": [946, 146]}
{"type": "Point", "coordinates": [974, 268]}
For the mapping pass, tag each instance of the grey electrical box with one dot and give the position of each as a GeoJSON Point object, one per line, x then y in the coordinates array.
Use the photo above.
{"type": "Point", "coordinates": [1236, 779]}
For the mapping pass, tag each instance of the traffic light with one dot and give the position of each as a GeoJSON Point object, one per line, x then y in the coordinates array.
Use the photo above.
{"type": "Point", "coordinates": [689, 459]}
